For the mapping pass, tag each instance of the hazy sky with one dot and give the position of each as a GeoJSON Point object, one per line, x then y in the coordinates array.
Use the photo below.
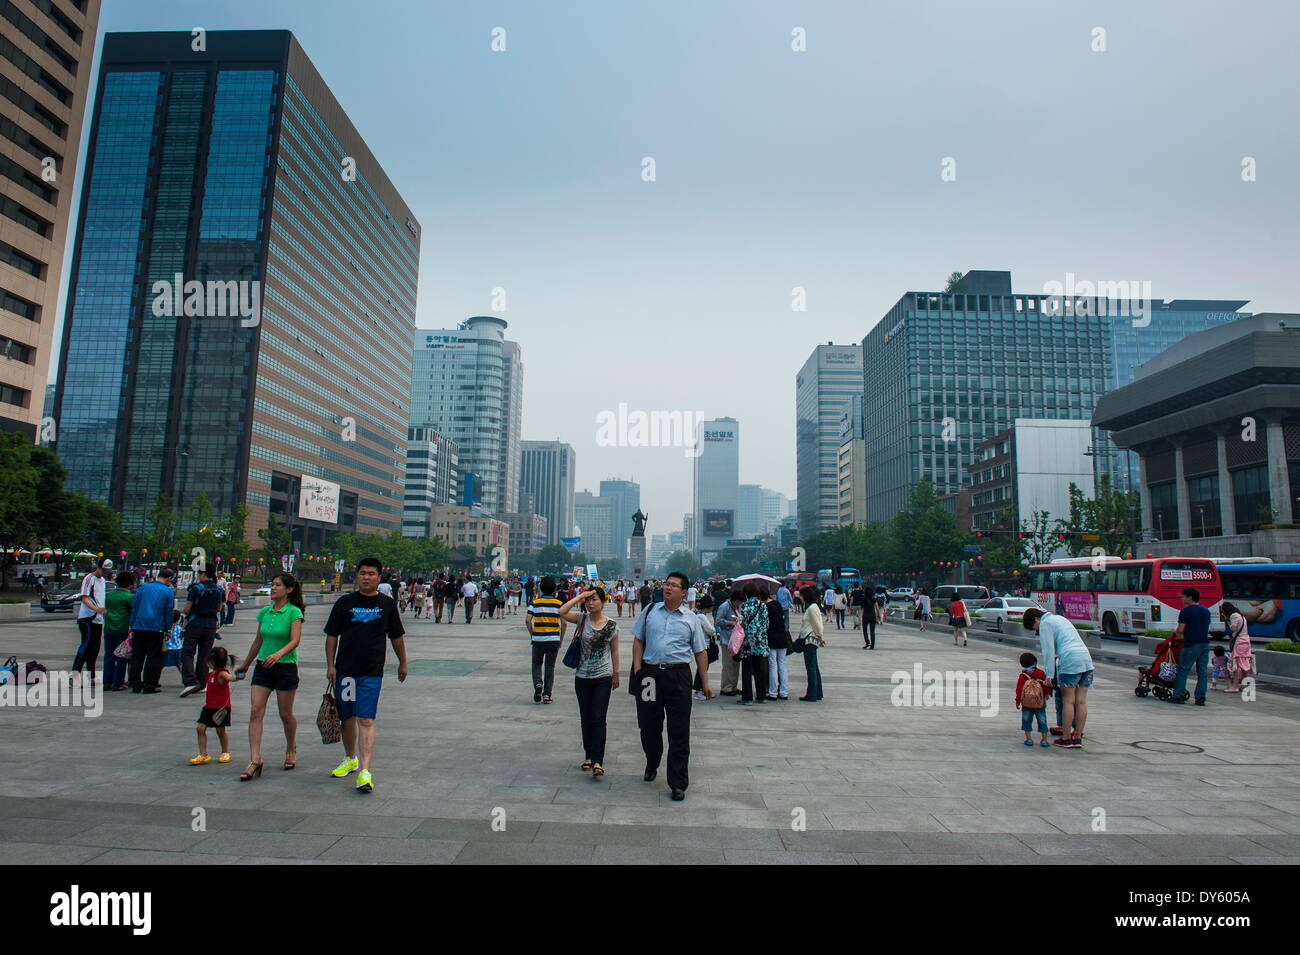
{"type": "Point", "coordinates": [776, 169]}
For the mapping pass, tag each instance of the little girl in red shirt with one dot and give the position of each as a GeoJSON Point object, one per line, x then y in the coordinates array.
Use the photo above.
{"type": "Point", "coordinates": [216, 707]}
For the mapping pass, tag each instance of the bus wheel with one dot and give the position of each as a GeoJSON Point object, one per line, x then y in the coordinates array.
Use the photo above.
{"type": "Point", "coordinates": [1293, 630]}
{"type": "Point", "coordinates": [1110, 625]}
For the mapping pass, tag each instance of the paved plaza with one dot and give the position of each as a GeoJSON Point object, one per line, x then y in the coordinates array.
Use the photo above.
{"type": "Point", "coordinates": [461, 744]}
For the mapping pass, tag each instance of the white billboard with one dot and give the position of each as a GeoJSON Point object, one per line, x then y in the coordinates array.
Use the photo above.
{"type": "Point", "coordinates": [318, 500]}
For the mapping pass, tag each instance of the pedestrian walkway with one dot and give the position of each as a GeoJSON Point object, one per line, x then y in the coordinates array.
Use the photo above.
{"type": "Point", "coordinates": [468, 769]}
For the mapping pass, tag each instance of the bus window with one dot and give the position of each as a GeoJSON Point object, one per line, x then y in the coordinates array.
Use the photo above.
{"type": "Point", "coordinates": [1041, 581]}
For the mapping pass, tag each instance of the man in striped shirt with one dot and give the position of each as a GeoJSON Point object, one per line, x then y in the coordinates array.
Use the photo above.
{"type": "Point", "coordinates": [547, 630]}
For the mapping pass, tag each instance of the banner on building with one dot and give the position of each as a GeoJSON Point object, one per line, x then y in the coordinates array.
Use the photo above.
{"type": "Point", "coordinates": [318, 500]}
{"type": "Point", "coordinates": [571, 544]}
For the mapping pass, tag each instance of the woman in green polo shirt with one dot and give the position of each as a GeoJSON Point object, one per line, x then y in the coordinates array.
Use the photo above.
{"type": "Point", "coordinates": [279, 631]}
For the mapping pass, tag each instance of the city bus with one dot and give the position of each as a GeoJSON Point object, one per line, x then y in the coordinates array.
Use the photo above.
{"type": "Point", "coordinates": [848, 578]}
{"type": "Point", "coordinates": [1124, 598]}
{"type": "Point", "coordinates": [1266, 593]}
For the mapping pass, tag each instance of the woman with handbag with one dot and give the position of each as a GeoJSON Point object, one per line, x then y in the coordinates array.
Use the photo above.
{"type": "Point", "coordinates": [811, 638]}
{"type": "Point", "coordinates": [593, 655]}
{"type": "Point", "coordinates": [275, 647]}
{"type": "Point", "coordinates": [1243, 658]}
{"type": "Point", "coordinates": [958, 619]}
{"type": "Point", "coordinates": [724, 620]}
{"type": "Point", "coordinates": [753, 649]}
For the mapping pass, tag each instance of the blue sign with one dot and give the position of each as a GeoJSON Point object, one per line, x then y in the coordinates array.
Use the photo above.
{"type": "Point", "coordinates": [972, 548]}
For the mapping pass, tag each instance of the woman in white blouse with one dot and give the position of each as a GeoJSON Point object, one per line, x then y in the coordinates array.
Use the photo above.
{"type": "Point", "coordinates": [811, 632]}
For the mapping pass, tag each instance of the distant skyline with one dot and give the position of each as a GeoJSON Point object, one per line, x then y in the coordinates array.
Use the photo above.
{"type": "Point", "coordinates": [778, 169]}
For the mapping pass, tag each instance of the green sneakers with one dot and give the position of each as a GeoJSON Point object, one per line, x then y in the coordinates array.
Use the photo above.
{"type": "Point", "coordinates": [350, 764]}
{"type": "Point", "coordinates": [364, 783]}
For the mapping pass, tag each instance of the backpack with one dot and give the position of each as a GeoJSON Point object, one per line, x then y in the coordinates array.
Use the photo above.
{"type": "Point", "coordinates": [207, 600]}
{"type": "Point", "coordinates": [1031, 694]}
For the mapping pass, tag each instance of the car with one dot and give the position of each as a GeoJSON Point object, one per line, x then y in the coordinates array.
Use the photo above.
{"type": "Point", "coordinates": [68, 596]}
{"type": "Point", "coordinates": [999, 611]}
{"type": "Point", "coordinates": [899, 596]}
{"type": "Point", "coordinates": [263, 591]}
{"type": "Point", "coordinates": [944, 594]}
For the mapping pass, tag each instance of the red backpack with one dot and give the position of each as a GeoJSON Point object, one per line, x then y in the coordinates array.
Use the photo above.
{"type": "Point", "coordinates": [1031, 694]}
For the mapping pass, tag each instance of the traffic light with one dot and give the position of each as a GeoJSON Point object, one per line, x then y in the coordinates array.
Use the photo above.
{"type": "Point", "coordinates": [979, 533]}
{"type": "Point", "coordinates": [1060, 536]}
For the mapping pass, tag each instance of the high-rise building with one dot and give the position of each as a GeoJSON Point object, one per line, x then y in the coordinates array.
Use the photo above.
{"type": "Point", "coordinates": [716, 486]}
{"type": "Point", "coordinates": [950, 369]}
{"type": "Point", "coordinates": [467, 383]}
{"type": "Point", "coordinates": [595, 518]}
{"type": "Point", "coordinates": [826, 383]}
{"type": "Point", "coordinates": [626, 498]}
{"type": "Point", "coordinates": [852, 466]}
{"type": "Point", "coordinates": [527, 532]}
{"type": "Point", "coordinates": [431, 478]}
{"type": "Point", "coordinates": [688, 533]}
{"type": "Point", "coordinates": [659, 549]}
{"type": "Point", "coordinates": [775, 507]}
{"type": "Point", "coordinates": [242, 294]}
{"type": "Point", "coordinates": [749, 510]}
{"type": "Point", "coordinates": [46, 47]}
{"type": "Point", "coordinates": [546, 472]}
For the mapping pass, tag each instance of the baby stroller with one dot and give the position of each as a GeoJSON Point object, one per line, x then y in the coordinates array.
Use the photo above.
{"type": "Point", "coordinates": [1159, 677]}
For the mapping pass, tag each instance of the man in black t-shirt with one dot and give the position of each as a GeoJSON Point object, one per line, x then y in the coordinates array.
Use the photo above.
{"type": "Point", "coordinates": [357, 629]}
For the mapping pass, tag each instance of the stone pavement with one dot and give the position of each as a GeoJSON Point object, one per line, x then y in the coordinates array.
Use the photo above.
{"type": "Point", "coordinates": [461, 742]}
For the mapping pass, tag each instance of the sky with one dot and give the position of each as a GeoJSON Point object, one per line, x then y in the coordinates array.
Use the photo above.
{"type": "Point", "coordinates": [777, 169]}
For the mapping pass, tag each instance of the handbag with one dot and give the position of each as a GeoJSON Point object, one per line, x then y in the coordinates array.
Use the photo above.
{"type": "Point", "coordinates": [573, 655]}
{"type": "Point", "coordinates": [327, 717]}
{"type": "Point", "coordinates": [737, 637]}
{"type": "Point", "coordinates": [124, 649]}
{"type": "Point", "coordinates": [1168, 671]}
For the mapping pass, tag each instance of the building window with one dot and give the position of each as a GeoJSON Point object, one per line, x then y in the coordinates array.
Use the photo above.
{"type": "Point", "coordinates": [1203, 496]}
{"type": "Point", "coordinates": [1164, 510]}
{"type": "Point", "coordinates": [1250, 497]}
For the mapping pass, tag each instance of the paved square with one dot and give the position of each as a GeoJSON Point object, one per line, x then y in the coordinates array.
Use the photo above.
{"type": "Point", "coordinates": [461, 743]}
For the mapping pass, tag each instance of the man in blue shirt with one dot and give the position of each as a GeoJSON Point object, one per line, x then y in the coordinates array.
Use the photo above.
{"type": "Point", "coordinates": [151, 616]}
{"type": "Point", "coordinates": [664, 640]}
{"type": "Point", "coordinates": [1194, 625]}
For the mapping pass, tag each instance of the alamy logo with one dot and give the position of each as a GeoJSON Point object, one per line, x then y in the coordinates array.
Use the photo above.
{"type": "Point", "coordinates": [56, 689]}
{"type": "Point", "coordinates": [1123, 299]}
{"type": "Point", "coordinates": [946, 688]}
{"type": "Point", "coordinates": [211, 299]}
{"type": "Point", "coordinates": [76, 908]}
{"type": "Point", "coordinates": [655, 429]}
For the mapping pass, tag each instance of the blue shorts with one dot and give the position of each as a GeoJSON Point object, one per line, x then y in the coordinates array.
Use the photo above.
{"type": "Point", "coordinates": [1075, 679]}
{"type": "Point", "coordinates": [357, 696]}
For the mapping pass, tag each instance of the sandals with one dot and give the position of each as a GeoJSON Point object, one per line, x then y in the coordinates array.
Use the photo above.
{"type": "Point", "coordinates": [251, 770]}
{"type": "Point", "coordinates": [200, 760]}
{"type": "Point", "coordinates": [223, 758]}
{"type": "Point", "coordinates": [586, 765]}
{"type": "Point", "coordinates": [596, 770]}
{"type": "Point", "coordinates": [291, 759]}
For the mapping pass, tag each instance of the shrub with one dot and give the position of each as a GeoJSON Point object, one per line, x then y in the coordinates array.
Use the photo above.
{"type": "Point", "coordinates": [1159, 634]}
{"type": "Point", "coordinates": [12, 600]}
{"type": "Point", "coordinates": [1283, 646]}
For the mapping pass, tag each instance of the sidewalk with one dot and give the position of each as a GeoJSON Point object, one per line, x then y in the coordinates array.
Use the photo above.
{"type": "Point", "coordinates": [461, 744]}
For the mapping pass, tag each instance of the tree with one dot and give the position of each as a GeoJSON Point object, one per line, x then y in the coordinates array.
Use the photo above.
{"type": "Point", "coordinates": [684, 561]}
{"type": "Point", "coordinates": [553, 558]}
{"type": "Point", "coordinates": [925, 532]}
{"type": "Point", "coordinates": [1112, 516]}
{"type": "Point", "coordinates": [1003, 550]}
{"type": "Point", "coordinates": [1042, 536]}
{"type": "Point", "coordinates": [19, 480]}
{"type": "Point", "coordinates": [161, 535]}
{"type": "Point", "coordinates": [953, 283]}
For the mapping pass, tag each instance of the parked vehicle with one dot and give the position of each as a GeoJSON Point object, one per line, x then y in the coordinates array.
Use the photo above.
{"type": "Point", "coordinates": [67, 597]}
{"type": "Point", "coordinates": [997, 612]}
{"type": "Point", "coordinates": [943, 595]}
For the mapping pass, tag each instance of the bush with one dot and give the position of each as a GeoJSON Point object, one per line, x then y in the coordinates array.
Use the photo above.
{"type": "Point", "coordinates": [1283, 646]}
{"type": "Point", "coordinates": [12, 600]}
{"type": "Point", "coordinates": [1159, 634]}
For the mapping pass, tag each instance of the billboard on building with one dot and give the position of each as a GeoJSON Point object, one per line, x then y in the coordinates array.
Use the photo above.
{"type": "Point", "coordinates": [718, 522]}
{"type": "Point", "coordinates": [571, 544]}
{"type": "Point", "coordinates": [318, 500]}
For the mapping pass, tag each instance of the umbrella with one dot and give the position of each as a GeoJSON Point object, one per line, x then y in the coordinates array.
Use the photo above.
{"type": "Point", "coordinates": [762, 577]}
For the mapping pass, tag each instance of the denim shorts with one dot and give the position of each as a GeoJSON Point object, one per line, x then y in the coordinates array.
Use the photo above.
{"type": "Point", "coordinates": [1027, 717]}
{"type": "Point", "coordinates": [365, 691]}
{"type": "Point", "coordinates": [1075, 679]}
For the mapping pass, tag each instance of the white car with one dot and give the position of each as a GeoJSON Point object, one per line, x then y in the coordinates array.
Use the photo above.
{"type": "Point", "coordinates": [999, 611]}
{"type": "Point", "coordinates": [899, 596]}
{"type": "Point", "coordinates": [263, 591]}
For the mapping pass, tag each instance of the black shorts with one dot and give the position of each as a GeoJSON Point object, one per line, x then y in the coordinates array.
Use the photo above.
{"type": "Point", "coordinates": [282, 676]}
{"type": "Point", "coordinates": [213, 717]}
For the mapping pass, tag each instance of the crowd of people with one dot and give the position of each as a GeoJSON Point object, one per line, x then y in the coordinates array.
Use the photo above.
{"type": "Point", "coordinates": [679, 630]}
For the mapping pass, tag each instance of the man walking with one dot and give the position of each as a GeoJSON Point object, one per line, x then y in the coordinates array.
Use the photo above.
{"type": "Point", "coordinates": [439, 596]}
{"type": "Point", "coordinates": [644, 594]}
{"type": "Point", "coordinates": [665, 638]}
{"type": "Point", "coordinates": [202, 613]}
{"type": "Point", "coordinates": [547, 629]}
{"type": "Point", "coordinates": [355, 651]}
{"type": "Point", "coordinates": [1194, 625]}
{"type": "Point", "coordinates": [90, 618]}
{"type": "Point", "coordinates": [151, 614]}
{"type": "Point", "coordinates": [469, 592]}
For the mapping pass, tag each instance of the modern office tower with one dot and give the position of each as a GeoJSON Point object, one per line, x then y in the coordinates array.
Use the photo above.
{"type": "Point", "coordinates": [830, 377]}
{"type": "Point", "coordinates": [595, 519]}
{"type": "Point", "coordinates": [626, 498]}
{"type": "Point", "coordinates": [46, 47]}
{"type": "Point", "coordinates": [950, 369]}
{"type": "Point", "coordinates": [468, 384]}
{"type": "Point", "coordinates": [527, 532]}
{"type": "Point", "coordinates": [716, 486]}
{"type": "Point", "coordinates": [546, 472]}
{"type": "Point", "coordinates": [852, 466]}
{"type": "Point", "coordinates": [242, 297]}
{"type": "Point", "coordinates": [659, 549]}
{"type": "Point", "coordinates": [749, 510]}
{"type": "Point", "coordinates": [431, 463]}
{"type": "Point", "coordinates": [775, 507]}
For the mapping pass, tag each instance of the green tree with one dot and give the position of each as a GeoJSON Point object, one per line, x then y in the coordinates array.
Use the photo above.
{"type": "Point", "coordinates": [161, 531]}
{"type": "Point", "coordinates": [925, 532]}
{"type": "Point", "coordinates": [684, 561]}
{"type": "Point", "coordinates": [953, 282]}
{"type": "Point", "coordinates": [553, 558]}
{"type": "Point", "coordinates": [1001, 547]}
{"type": "Point", "coordinates": [1112, 516]}
{"type": "Point", "coordinates": [1042, 536]}
{"type": "Point", "coordinates": [19, 487]}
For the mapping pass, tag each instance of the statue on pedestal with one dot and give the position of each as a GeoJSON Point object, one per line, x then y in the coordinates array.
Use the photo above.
{"type": "Point", "coordinates": [638, 523]}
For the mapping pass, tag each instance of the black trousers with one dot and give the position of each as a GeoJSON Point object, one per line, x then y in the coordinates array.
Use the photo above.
{"type": "Point", "coordinates": [660, 695]}
{"type": "Point", "coordinates": [469, 609]}
{"type": "Point", "coordinates": [869, 626]}
{"type": "Point", "coordinates": [146, 659]}
{"type": "Point", "coordinates": [753, 678]}
{"type": "Point", "coordinates": [544, 654]}
{"type": "Point", "coordinates": [593, 707]}
{"type": "Point", "coordinates": [195, 647]}
{"type": "Point", "coordinates": [91, 635]}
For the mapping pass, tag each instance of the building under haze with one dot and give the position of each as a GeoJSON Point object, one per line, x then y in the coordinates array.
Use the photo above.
{"type": "Point", "coordinates": [625, 498]}
{"type": "Point", "coordinates": [716, 487]}
{"type": "Point", "coordinates": [546, 472]}
{"type": "Point", "coordinates": [825, 385]}
{"type": "Point", "coordinates": [946, 370]}
{"type": "Point", "coordinates": [240, 313]}
{"type": "Point", "coordinates": [47, 49]}
{"type": "Point", "coordinates": [467, 382]}
{"type": "Point", "coordinates": [595, 518]}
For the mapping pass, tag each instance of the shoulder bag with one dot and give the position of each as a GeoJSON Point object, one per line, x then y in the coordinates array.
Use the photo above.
{"type": "Point", "coordinates": [573, 655]}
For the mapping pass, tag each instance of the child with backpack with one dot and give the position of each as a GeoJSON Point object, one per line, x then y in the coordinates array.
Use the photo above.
{"type": "Point", "coordinates": [1031, 699]}
{"type": "Point", "coordinates": [216, 707]}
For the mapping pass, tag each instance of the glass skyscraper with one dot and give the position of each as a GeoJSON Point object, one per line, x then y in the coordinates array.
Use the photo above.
{"type": "Point", "coordinates": [242, 295]}
{"type": "Point", "coordinates": [949, 369]}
